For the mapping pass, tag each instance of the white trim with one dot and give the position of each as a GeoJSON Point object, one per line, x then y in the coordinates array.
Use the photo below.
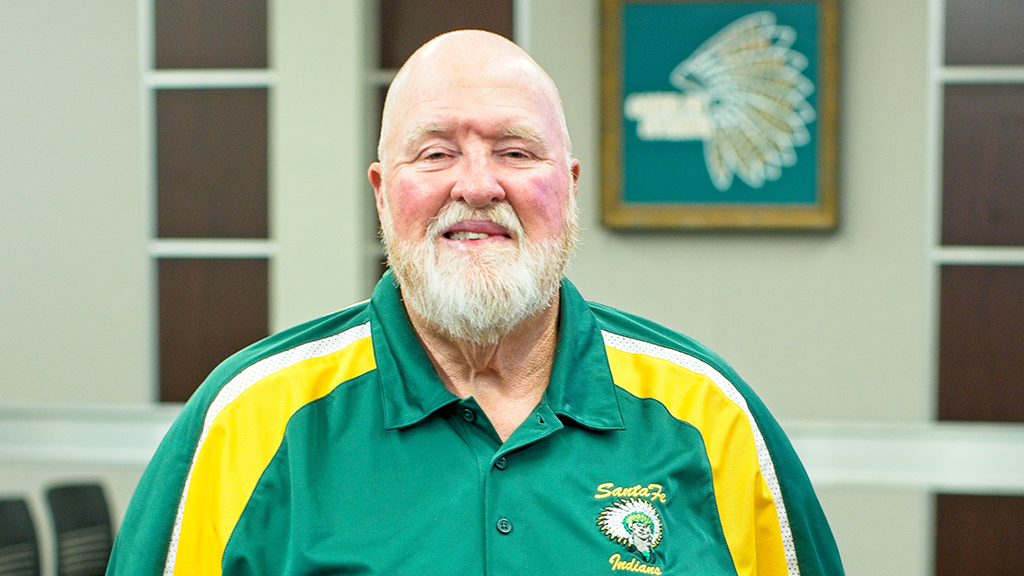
{"type": "Point", "coordinates": [933, 192]}
{"type": "Point", "coordinates": [147, 120]}
{"type": "Point", "coordinates": [180, 79]}
{"type": "Point", "coordinates": [211, 248]}
{"type": "Point", "coordinates": [982, 75]}
{"type": "Point", "coordinates": [764, 457]}
{"type": "Point", "coordinates": [83, 434]}
{"type": "Point", "coordinates": [522, 15]}
{"type": "Point", "coordinates": [951, 457]}
{"type": "Point", "coordinates": [979, 255]}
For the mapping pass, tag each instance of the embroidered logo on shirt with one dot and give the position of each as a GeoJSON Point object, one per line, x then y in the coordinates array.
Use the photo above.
{"type": "Point", "coordinates": [652, 492]}
{"type": "Point", "coordinates": [632, 521]}
{"type": "Point", "coordinates": [634, 524]}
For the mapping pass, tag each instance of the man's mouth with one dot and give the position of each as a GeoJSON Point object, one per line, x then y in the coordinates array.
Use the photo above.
{"type": "Point", "coordinates": [466, 236]}
{"type": "Point", "coordinates": [476, 230]}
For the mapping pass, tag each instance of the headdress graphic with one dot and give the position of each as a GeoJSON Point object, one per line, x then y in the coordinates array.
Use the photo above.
{"type": "Point", "coordinates": [743, 93]}
{"type": "Point", "coordinates": [632, 523]}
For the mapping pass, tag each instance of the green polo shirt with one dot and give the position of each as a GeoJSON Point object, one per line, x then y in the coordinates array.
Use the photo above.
{"type": "Point", "coordinates": [334, 448]}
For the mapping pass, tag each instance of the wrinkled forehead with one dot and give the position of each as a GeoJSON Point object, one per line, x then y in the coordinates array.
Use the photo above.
{"type": "Point", "coordinates": [502, 105]}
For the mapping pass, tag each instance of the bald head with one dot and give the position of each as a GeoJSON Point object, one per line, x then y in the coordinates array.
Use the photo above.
{"type": "Point", "coordinates": [459, 60]}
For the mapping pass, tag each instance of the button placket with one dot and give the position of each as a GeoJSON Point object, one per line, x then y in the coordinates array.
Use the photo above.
{"type": "Point", "coordinates": [503, 489]}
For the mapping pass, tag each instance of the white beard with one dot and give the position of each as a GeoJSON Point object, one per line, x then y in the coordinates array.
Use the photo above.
{"type": "Point", "coordinates": [479, 296]}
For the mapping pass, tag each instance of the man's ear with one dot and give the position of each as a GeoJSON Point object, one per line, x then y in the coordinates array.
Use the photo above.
{"type": "Point", "coordinates": [376, 176]}
{"type": "Point", "coordinates": [574, 169]}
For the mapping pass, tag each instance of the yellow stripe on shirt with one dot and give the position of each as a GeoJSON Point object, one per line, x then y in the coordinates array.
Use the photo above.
{"type": "Point", "coordinates": [241, 438]}
{"type": "Point", "coordinates": [754, 530]}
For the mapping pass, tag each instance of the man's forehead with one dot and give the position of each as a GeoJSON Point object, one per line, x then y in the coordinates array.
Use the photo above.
{"type": "Point", "coordinates": [513, 130]}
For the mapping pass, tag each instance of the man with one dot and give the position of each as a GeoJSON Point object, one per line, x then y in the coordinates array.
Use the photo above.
{"type": "Point", "coordinates": [476, 415]}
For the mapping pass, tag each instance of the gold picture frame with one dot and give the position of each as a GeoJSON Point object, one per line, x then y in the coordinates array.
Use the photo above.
{"type": "Point", "coordinates": [719, 114]}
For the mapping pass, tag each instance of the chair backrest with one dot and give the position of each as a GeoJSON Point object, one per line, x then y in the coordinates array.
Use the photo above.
{"type": "Point", "coordinates": [19, 548]}
{"type": "Point", "coordinates": [81, 521]}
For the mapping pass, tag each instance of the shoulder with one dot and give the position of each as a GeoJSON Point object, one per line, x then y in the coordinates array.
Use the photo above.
{"type": "Point", "coordinates": [696, 385]}
{"type": "Point", "coordinates": [313, 339]}
{"type": "Point", "coordinates": [634, 334]}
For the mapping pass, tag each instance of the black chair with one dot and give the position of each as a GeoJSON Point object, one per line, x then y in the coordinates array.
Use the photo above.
{"type": "Point", "coordinates": [81, 521]}
{"type": "Point", "coordinates": [19, 549]}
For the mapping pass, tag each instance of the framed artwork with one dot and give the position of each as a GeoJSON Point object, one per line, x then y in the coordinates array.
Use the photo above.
{"type": "Point", "coordinates": [719, 114]}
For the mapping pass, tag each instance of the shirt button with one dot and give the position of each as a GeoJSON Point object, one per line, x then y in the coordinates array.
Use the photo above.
{"type": "Point", "coordinates": [504, 526]}
{"type": "Point", "coordinates": [501, 463]}
{"type": "Point", "coordinates": [468, 414]}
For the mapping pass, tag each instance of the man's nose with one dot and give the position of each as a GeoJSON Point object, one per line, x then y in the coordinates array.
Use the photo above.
{"type": "Point", "coordinates": [477, 183]}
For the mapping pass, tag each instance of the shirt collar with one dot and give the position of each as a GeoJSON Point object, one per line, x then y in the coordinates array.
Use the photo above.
{"type": "Point", "coordinates": [580, 387]}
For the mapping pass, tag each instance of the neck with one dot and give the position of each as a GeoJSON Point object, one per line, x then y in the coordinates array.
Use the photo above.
{"type": "Point", "coordinates": [507, 378]}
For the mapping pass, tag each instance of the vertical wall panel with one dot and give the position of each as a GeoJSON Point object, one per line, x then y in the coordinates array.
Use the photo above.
{"type": "Point", "coordinates": [984, 32]}
{"type": "Point", "coordinates": [981, 349]}
{"type": "Point", "coordinates": [211, 34]}
{"type": "Point", "coordinates": [979, 535]}
{"type": "Point", "coordinates": [981, 317]}
{"type": "Point", "coordinates": [407, 24]}
{"type": "Point", "coordinates": [212, 163]}
{"type": "Point", "coordinates": [983, 165]}
{"type": "Point", "coordinates": [209, 309]}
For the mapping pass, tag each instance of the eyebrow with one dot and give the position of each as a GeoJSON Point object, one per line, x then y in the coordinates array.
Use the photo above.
{"type": "Point", "coordinates": [525, 133]}
{"type": "Point", "coordinates": [421, 131]}
{"type": "Point", "coordinates": [519, 132]}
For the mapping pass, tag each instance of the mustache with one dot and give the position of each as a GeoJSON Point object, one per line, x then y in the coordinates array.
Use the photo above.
{"type": "Point", "coordinates": [501, 214]}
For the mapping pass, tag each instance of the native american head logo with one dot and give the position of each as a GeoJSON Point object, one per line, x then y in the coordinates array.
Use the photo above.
{"type": "Point", "coordinates": [743, 93]}
{"type": "Point", "coordinates": [633, 523]}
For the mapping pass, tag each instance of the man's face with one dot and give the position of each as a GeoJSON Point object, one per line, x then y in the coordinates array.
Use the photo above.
{"type": "Point", "coordinates": [480, 139]}
{"type": "Point", "coordinates": [476, 194]}
{"type": "Point", "coordinates": [640, 531]}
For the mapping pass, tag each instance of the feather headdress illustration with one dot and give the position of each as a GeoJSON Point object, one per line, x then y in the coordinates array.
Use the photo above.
{"type": "Point", "coordinates": [743, 93]}
{"type": "Point", "coordinates": [634, 524]}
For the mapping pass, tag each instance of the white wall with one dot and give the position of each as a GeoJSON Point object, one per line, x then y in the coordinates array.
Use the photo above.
{"type": "Point", "coordinates": [319, 190]}
{"type": "Point", "coordinates": [830, 327]}
{"type": "Point", "coordinates": [74, 278]}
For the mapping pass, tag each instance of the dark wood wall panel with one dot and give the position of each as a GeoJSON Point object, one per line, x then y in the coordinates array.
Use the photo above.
{"type": "Point", "coordinates": [983, 165]}
{"type": "Point", "coordinates": [979, 535]}
{"type": "Point", "coordinates": [981, 317]}
{"type": "Point", "coordinates": [406, 24]}
{"type": "Point", "coordinates": [212, 163]}
{"type": "Point", "coordinates": [209, 309]}
{"type": "Point", "coordinates": [984, 32]}
{"type": "Point", "coordinates": [211, 34]}
{"type": "Point", "coordinates": [981, 344]}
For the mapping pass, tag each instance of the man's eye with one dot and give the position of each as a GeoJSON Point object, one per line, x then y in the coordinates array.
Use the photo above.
{"type": "Point", "coordinates": [436, 155]}
{"type": "Point", "coordinates": [517, 154]}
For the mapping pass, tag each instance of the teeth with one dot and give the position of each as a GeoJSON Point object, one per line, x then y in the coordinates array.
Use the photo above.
{"type": "Point", "coordinates": [468, 236]}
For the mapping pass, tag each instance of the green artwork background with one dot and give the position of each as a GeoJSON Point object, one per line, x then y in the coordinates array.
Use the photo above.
{"type": "Point", "coordinates": [656, 38]}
